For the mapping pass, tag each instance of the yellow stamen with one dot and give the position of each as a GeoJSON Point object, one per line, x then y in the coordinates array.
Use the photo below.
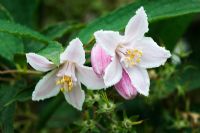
{"type": "Point", "coordinates": [65, 80]}
{"type": "Point", "coordinates": [133, 56]}
{"type": "Point", "coordinates": [62, 89]}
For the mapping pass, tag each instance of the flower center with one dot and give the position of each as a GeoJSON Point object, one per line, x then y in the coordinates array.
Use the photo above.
{"type": "Point", "coordinates": [132, 56]}
{"type": "Point", "coordinates": [66, 83]}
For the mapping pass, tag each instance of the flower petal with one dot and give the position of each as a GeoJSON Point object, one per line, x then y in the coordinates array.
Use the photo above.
{"type": "Point", "coordinates": [125, 88]}
{"type": "Point", "coordinates": [67, 69]}
{"type": "Point", "coordinates": [75, 97]}
{"type": "Point", "coordinates": [152, 54]}
{"type": "Point", "coordinates": [74, 52]}
{"type": "Point", "coordinates": [137, 26]}
{"type": "Point", "coordinates": [46, 87]}
{"type": "Point", "coordinates": [140, 79]}
{"type": "Point", "coordinates": [87, 76]}
{"type": "Point", "coordinates": [99, 60]}
{"type": "Point", "coordinates": [108, 40]}
{"type": "Point", "coordinates": [39, 62]}
{"type": "Point", "coordinates": [113, 72]}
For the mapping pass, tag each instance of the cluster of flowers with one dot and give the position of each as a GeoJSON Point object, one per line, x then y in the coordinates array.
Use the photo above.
{"type": "Point", "coordinates": [119, 60]}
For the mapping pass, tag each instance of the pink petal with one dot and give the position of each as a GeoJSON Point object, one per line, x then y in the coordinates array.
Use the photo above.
{"type": "Point", "coordinates": [39, 62]}
{"type": "Point", "coordinates": [125, 88]}
{"type": "Point", "coordinates": [99, 60]}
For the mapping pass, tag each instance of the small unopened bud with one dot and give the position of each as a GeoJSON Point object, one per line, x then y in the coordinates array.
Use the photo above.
{"type": "Point", "coordinates": [125, 88]}
{"type": "Point", "coordinates": [99, 60]}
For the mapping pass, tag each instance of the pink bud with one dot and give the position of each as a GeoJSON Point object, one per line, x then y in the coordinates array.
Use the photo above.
{"type": "Point", "coordinates": [125, 88]}
{"type": "Point", "coordinates": [99, 59]}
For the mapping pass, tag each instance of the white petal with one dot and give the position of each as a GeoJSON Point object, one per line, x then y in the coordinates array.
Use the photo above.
{"type": "Point", "coordinates": [87, 76]}
{"type": "Point", "coordinates": [108, 40]}
{"type": "Point", "coordinates": [75, 97]}
{"type": "Point", "coordinates": [67, 69]}
{"type": "Point", "coordinates": [152, 54]}
{"type": "Point", "coordinates": [113, 72]}
{"type": "Point", "coordinates": [140, 79]}
{"type": "Point", "coordinates": [74, 52]}
{"type": "Point", "coordinates": [137, 26]}
{"type": "Point", "coordinates": [39, 62]}
{"type": "Point", "coordinates": [46, 87]}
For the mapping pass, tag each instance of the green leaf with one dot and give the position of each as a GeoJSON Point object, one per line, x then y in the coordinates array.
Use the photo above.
{"type": "Point", "coordinates": [53, 110]}
{"type": "Point", "coordinates": [7, 92]}
{"type": "Point", "coordinates": [21, 96]}
{"type": "Point", "coordinates": [16, 92]}
{"type": "Point", "coordinates": [156, 10]}
{"type": "Point", "coordinates": [61, 117]}
{"type": "Point", "coordinates": [160, 30]}
{"type": "Point", "coordinates": [4, 13]}
{"type": "Point", "coordinates": [60, 29]}
{"type": "Point", "coordinates": [53, 49]}
{"type": "Point", "coordinates": [23, 11]}
{"type": "Point", "coordinates": [9, 46]}
{"type": "Point", "coordinates": [22, 31]}
{"type": "Point", "coordinates": [7, 119]}
{"type": "Point", "coordinates": [189, 79]}
{"type": "Point", "coordinates": [52, 52]}
{"type": "Point", "coordinates": [48, 110]}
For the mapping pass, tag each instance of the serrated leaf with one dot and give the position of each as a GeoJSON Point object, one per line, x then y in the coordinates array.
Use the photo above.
{"type": "Point", "coordinates": [22, 31]}
{"type": "Point", "coordinates": [52, 52]}
{"type": "Point", "coordinates": [58, 30]}
{"type": "Point", "coordinates": [156, 10]}
{"type": "Point", "coordinates": [7, 119]}
{"type": "Point", "coordinates": [7, 93]}
{"type": "Point", "coordinates": [23, 11]}
{"type": "Point", "coordinates": [9, 46]}
{"type": "Point", "coordinates": [4, 13]}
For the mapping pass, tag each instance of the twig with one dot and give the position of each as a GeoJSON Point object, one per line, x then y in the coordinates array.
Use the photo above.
{"type": "Point", "coordinates": [87, 51]}
{"type": "Point", "coordinates": [6, 79]}
{"type": "Point", "coordinates": [91, 42]}
{"type": "Point", "coordinates": [19, 71]}
{"type": "Point", "coordinates": [101, 127]}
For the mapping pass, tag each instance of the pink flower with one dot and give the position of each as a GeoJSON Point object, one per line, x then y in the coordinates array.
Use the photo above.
{"type": "Point", "coordinates": [125, 88]}
{"type": "Point", "coordinates": [131, 54]}
{"type": "Point", "coordinates": [67, 77]}
{"type": "Point", "coordinates": [99, 60]}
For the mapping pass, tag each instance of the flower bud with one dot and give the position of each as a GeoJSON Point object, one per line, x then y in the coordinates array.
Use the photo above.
{"type": "Point", "coordinates": [99, 59]}
{"type": "Point", "coordinates": [125, 88]}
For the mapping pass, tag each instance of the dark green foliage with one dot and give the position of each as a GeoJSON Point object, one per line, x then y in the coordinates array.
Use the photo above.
{"type": "Point", "coordinates": [155, 11]}
{"type": "Point", "coordinates": [46, 27]}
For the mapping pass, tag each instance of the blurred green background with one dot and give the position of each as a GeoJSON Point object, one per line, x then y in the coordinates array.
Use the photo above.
{"type": "Point", "coordinates": [173, 104]}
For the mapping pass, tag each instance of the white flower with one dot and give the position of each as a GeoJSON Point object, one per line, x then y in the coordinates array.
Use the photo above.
{"type": "Point", "coordinates": [67, 77]}
{"type": "Point", "coordinates": [132, 52]}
